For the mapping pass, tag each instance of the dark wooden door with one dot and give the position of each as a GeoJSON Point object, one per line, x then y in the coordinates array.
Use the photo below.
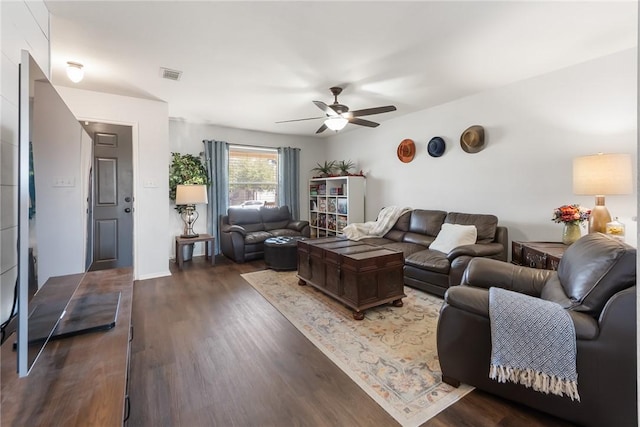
{"type": "Point", "coordinates": [112, 196]}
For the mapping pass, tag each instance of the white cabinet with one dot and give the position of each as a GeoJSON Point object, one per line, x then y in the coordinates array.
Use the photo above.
{"type": "Point", "coordinates": [334, 203]}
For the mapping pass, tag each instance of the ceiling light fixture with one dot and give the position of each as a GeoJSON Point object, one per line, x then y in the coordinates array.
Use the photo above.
{"type": "Point", "coordinates": [75, 71]}
{"type": "Point", "coordinates": [336, 123]}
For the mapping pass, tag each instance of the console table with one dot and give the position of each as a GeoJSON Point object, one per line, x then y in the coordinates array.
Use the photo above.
{"type": "Point", "coordinates": [76, 381]}
{"type": "Point", "coordinates": [542, 255]}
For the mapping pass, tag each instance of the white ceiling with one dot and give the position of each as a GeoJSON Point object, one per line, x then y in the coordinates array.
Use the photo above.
{"type": "Point", "coordinates": [250, 64]}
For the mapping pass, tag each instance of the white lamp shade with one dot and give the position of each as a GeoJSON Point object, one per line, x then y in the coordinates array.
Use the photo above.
{"type": "Point", "coordinates": [75, 72]}
{"type": "Point", "coordinates": [336, 123]}
{"type": "Point", "coordinates": [602, 174]}
{"type": "Point", "coordinates": [191, 194]}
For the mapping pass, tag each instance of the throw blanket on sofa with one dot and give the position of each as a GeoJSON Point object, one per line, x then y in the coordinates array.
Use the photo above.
{"type": "Point", "coordinates": [533, 342]}
{"type": "Point", "coordinates": [378, 228]}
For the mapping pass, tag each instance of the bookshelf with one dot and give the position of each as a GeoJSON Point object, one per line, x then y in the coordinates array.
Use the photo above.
{"type": "Point", "coordinates": [335, 202]}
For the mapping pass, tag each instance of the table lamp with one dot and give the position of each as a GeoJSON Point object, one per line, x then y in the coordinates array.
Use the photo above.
{"type": "Point", "coordinates": [189, 196]}
{"type": "Point", "coordinates": [599, 175]}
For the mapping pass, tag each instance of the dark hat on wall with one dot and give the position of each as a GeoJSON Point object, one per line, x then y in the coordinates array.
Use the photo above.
{"type": "Point", "coordinates": [436, 146]}
{"type": "Point", "coordinates": [406, 150]}
{"type": "Point", "coordinates": [472, 139]}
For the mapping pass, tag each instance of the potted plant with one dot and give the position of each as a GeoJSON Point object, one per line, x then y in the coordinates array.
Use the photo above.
{"type": "Point", "coordinates": [326, 169]}
{"type": "Point", "coordinates": [186, 169]}
{"type": "Point", "coordinates": [344, 167]}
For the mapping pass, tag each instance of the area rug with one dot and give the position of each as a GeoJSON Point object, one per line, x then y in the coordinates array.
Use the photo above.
{"type": "Point", "coordinates": [391, 354]}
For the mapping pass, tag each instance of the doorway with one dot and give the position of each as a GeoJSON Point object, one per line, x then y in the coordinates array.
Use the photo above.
{"type": "Point", "coordinates": [110, 197]}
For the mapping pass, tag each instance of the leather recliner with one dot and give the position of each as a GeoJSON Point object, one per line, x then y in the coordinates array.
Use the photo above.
{"type": "Point", "coordinates": [243, 231]}
{"type": "Point", "coordinates": [595, 283]}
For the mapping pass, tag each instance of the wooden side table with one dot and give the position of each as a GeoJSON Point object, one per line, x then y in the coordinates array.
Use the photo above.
{"type": "Point", "coordinates": [208, 247]}
{"type": "Point", "coordinates": [542, 255]}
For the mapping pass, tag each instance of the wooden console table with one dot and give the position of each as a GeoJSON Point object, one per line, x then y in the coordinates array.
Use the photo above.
{"type": "Point", "coordinates": [80, 380]}
{"type": "Point", "coordinates": [542, 255]}
{"type": "Point", "coordinates": [208, 240]}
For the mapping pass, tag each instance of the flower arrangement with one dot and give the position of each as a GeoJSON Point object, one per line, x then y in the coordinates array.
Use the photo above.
{"type": "Point", "coordinates": [570, 214]}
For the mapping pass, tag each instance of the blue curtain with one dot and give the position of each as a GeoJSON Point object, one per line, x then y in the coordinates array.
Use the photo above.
{"type": "Point", "coordinates": [217, 159]}
{"type": "Point", "coordinates": [289, 179]}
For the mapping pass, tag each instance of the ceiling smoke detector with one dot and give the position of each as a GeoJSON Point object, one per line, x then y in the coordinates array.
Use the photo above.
{"type": "Point", "coordinates": [170, 74]}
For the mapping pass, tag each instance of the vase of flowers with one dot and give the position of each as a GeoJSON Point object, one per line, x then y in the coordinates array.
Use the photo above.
{"type": "Point", "coordinates": [572, 216]}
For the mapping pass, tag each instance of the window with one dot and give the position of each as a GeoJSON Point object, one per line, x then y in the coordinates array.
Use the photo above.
{"type": "Point", "coordinates": [253, 177]}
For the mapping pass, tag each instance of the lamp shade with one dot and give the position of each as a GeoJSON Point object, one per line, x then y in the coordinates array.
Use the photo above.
{"type": "Point", "coordinates": [191, 194]}
{"type": "Point", "coordinates": [602, 174]}
{"type": "Point", "coordinates": [336, 123]}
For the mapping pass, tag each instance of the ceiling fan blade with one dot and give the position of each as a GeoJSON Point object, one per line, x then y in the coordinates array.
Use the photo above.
{"type": "Point", "coordinates": [324, 107]}
{"type": "Point", "coordinates": [322, 128]}
{"type": "Point", "coordinates": [375, 110]}
{"type": "Point", "coordinates": [363, 122]}
{"type": "Point", "coordinates": [300, 120]}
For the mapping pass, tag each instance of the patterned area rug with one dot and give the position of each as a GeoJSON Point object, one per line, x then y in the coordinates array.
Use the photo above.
{"type": "Point", "coordinates": [391, 354]}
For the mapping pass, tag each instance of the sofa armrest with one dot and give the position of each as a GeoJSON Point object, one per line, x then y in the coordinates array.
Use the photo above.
{"type": "Point", "coordinates": [473, 300]}
{"type": "Point", "coordinates": [298, 225]}
{"type": "Point", "coordinates": [487, 272]}
{"type": "Point", "coordinates": [487, 249]}
{"type": "Point", "coordinates": [230, 228]}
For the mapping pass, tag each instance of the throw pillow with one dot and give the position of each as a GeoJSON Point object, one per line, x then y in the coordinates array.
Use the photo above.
{"type": "Point", "coordinates": [453, 235]}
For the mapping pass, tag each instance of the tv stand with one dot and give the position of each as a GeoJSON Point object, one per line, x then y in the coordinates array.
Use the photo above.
{"type": "Point", "coordinates": [80, 380]}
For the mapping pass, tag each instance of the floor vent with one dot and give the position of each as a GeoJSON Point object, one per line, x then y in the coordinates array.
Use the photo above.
{"type": "Point", "coordinates": [170, 74]}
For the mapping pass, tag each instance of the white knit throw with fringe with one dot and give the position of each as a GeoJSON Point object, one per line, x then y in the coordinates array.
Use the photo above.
{"type": "Point", "coordinates": [533, 343]}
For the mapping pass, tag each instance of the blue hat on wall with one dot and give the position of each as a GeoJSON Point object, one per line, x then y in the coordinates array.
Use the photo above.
{"type": "Point", "coordinates": [436, 147]}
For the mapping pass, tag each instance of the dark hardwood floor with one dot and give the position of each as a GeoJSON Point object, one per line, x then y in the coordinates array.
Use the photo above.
{"type": "Point", "coordinates": [208, 350]}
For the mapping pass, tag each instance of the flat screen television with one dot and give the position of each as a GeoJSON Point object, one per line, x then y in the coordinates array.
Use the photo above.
{"type": "Point", "coordinates": [53, 190]}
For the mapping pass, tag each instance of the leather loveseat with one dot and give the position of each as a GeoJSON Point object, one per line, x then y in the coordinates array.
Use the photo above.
{"type": "Point", "coordinates": [596, 285]}
{"type": "Point", "coordinates": [431, 270]}
{"type": "Point", "coordinates": [243, 231]}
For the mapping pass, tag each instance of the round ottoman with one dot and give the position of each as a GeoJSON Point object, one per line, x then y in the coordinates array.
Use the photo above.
{"type": "Point", "coordinates": [281, 253]}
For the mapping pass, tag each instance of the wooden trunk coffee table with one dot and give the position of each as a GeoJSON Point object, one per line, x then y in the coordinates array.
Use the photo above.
{"type": "Point", "coordinates": [359, 275]}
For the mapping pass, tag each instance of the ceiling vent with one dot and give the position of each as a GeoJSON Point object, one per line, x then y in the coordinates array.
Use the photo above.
{"type": "Point", "coordinates": [169, 74]}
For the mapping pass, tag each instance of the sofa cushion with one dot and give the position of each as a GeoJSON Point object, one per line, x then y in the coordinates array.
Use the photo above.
{"type": "Point", "coordinates": [249, 219]}
{"type": "Point", "coordinates": [593, 269]}
{"type": "Point", "coordinates": [402, 224]}
{"type": "Point", "coordinates": [485, 224]}
{"type": "Point", "coordinates": [277, 217]}
{"type": "Point", "coordinates": [418, 239]}
{"type": "Point", "coordinates": [406, 248]}
{"type": "Point", "coordinates": [284, 232]}
{"type": "Point", "coordinates": [429, 260]}
{"type": "Point", "coordinates": [426, 222]}
{"type": "Point", "coordinates": [453, 235]}
{"type": "Point", "coordinates": [256, 237]}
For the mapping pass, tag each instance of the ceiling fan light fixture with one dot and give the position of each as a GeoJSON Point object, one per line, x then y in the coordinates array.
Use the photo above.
{"type": "Point", "coordinates": [75, 72]}
{"type": "Point", "coordinates": [336, 123]}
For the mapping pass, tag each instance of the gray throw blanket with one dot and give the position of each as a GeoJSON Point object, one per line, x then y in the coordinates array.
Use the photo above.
{"type": "Point", "coordinates": [533, 342]}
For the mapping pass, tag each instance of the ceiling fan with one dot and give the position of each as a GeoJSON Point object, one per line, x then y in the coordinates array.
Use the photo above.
{"type": "Point", "coordinates": [338, 115]}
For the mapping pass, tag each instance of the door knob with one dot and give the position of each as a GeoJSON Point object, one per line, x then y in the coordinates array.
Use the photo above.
{"type": "Point", "coordinates": [127, 210]}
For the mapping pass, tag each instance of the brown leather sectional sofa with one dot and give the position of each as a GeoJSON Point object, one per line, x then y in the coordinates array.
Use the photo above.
{"type": "Point", "coordinates": [435, 271]}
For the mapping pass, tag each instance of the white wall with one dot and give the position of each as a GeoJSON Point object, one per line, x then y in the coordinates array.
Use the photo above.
{"type": "Point", "coordinates": [186, 138]}
{"type": "Point", "coordinates": [149, 120]}
{"type": "Point", "coordinates": [60, 218]}
{"type": "Point", "coordinates": [24, 25]}
{"type": "Point", "coordinates": [533, 130]}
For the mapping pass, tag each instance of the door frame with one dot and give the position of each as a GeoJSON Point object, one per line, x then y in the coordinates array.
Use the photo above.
{"type": "Point", "coordinates": [134, 166]}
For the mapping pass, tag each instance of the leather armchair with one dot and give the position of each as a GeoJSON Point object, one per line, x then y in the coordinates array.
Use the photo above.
{"type": "Point", "coordinates": [595, 283]}
{"type": "Point", "coordinates": [243, 231]}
